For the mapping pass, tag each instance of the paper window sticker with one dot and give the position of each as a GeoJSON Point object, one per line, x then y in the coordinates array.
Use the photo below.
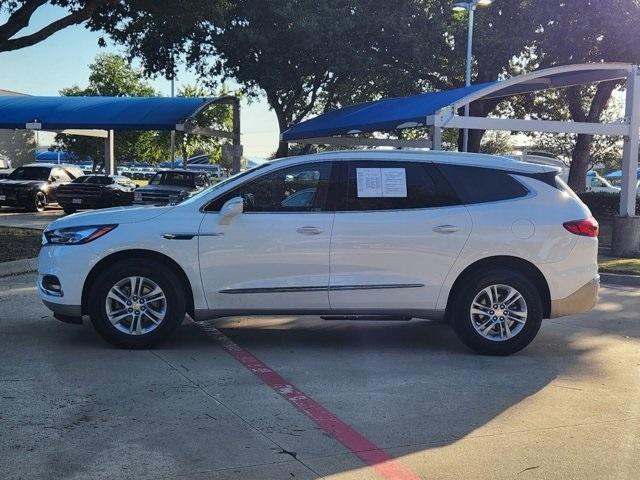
{"type": "Point", "coordinates": [394, 182]}
{"type": "Point", "coordinates": [369, 182]}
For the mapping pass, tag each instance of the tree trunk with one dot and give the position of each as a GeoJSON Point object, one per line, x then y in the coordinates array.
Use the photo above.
{"type": "Point", "coordinates": [581, 155]}
{"type": "Point", "coordinates": [476, 109]}
{"type": "Point", "coordinates": [580, 163]}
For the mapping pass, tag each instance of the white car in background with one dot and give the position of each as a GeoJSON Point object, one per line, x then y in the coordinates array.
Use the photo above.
{"type": "Point", "coordinates": [594, 182]}
{"type": "Point", "coordinates": [490, 244]}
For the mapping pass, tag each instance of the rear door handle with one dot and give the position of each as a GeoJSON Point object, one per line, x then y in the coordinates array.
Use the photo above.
{"type": "Point", "coordinates": [309, 230]}
{"type": "Point", "coordinates": [446, 229]}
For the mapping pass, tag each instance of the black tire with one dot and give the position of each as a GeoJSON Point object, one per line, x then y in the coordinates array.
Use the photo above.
{"type": "Point", "coordinates": [461, 311]}
{"type": "Point", "coordinates": [163, 276]}
{"type": "Point", "coordinates": [68, 210]}
{"type": "Point", "coordinates": [38, 202]}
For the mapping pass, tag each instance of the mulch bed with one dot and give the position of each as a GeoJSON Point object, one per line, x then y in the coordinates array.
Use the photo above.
{"type": "Point", "coordinates": [19, 243]}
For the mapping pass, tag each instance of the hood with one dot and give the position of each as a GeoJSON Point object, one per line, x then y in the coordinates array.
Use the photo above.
{"type": "Point", "coordinates": [163, 188]}
{"type": "Point", "coordinates": [107, 216]}
{"type": "Point", "coordinates": [21, 183]}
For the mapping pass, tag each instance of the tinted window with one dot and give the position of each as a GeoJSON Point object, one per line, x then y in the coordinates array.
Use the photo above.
{"type": "Point", "coordinates": [480, 185]}
{"type": "Point", "coordinates": [180, 179]}
{"type": "Point", "coordinates": [30, 173]}
{"type": "Point", "coordinates": [298, 188]}
{"type": "Point", "coordinates": [379, 185]}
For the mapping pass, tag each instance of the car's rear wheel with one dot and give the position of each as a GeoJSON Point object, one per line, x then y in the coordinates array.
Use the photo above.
{"type": "Point", "coordinates": [38, 202]}
{"type": "Point", "coordinates": [136, 305]}
{"type": "Point", "coordinates": [497, 312]}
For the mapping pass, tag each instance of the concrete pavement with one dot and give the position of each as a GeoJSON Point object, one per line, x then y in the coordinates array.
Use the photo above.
{"type": "Point", "coordinates": [18, 217]}
{"type": "Point", "coordinates": [73, 407]}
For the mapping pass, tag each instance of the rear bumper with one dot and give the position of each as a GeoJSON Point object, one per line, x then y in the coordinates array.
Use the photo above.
{"type": "Point", "coordinates": [580, 301]}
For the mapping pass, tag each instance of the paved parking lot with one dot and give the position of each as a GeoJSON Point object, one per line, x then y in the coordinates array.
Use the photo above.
{"type": "Point", "coordinates": [73, 407]}
{"type": "Point", "coordinates": [17, 217]}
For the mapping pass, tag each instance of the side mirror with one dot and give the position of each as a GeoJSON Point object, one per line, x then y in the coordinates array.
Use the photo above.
{"type": "Point", "coordinates": [52, 180]}
{"type": "Point", "coordinates": [231, 209]}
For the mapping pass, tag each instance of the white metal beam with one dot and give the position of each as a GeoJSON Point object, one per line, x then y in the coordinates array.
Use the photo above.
{"type": "Point", "coordinates": [447, 120]}
{"type": "Point", "coordinates": [631, 144]}
{"type": "Point", "coordinates": [109, 154]}
{"type": "Point", "coordinates": [204, 131]}
{"type": "Point", "coordinates": [363, 142]}
{"type": "Point", "coordinates": [82, 132]}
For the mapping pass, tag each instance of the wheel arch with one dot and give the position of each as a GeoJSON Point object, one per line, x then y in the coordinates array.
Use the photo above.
{"type": "Point", "coordinates": [514, 263]}
{"type": "Point", "coordinates": [142, 255]}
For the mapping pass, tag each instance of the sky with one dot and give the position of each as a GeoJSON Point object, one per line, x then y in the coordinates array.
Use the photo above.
{"type": "Point", "coordinates": [63, 60]}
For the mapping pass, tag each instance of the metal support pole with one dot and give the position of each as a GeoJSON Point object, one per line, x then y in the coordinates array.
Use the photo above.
{"type": "Point", "coordinates": [631, 144]}
{"type": "Point", "coordinates": [109, 154]}
{"type": "Point", "coordinates": [467, 81]}
{"type": "Point", "coordinates": [237, 146]}
{"type": "Point", "coordinates": [436, 138]}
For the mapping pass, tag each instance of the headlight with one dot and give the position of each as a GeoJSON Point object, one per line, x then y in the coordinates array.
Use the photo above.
{"type": "Point", "coordinates": [76, 235]}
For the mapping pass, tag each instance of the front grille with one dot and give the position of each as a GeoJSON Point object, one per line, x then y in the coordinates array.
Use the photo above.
{"type": "Point", "coordinates": [79, 191]}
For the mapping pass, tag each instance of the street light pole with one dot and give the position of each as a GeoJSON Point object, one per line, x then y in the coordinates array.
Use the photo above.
{"type": "Point", "coordinates": [467, 78]}
{"type": "Point", "coordinates": [470, 7]}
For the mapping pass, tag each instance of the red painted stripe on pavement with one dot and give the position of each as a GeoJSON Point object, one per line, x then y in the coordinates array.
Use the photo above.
{"type": "Point", "coordinates": [368, 452]}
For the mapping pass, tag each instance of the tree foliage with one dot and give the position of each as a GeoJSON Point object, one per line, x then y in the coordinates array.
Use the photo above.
{"type": "Point", "coordinates": [111, 75]}
{"type": "Point", "coordinates": [19, 13]}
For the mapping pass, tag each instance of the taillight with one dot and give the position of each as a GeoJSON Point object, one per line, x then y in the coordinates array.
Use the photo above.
{"type": "Point", "coordinates": [587, 228]}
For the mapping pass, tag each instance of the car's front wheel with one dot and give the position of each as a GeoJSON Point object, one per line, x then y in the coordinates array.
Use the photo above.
{"type": "Point", "coordinates": [497, 312]}
{"type": "Point", "coordinates": [38, 202]}
{"type": "Point", "coordinates": [133, 304]}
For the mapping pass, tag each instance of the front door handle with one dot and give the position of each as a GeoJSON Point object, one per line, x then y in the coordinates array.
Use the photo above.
{"type": "Point", "coordinates": [446, 229]}
{"type": "Point", "coordinates": [308, 230]}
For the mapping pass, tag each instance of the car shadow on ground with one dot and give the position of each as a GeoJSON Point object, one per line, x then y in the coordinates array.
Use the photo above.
{"type": "Point", "coordinates": [406, 386]}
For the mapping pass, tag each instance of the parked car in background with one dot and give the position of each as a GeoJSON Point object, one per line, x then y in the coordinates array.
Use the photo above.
{"type": "Point", "coordinates": [35, 185]}
{"type": "Point", "coordinates": [96, 191]}
{"type": "Point", "coordinates": [597, 183]}
{"type": "Point", "coordinates": [171, 186]}
{"type": "Point", "coordinates": [490, 244]}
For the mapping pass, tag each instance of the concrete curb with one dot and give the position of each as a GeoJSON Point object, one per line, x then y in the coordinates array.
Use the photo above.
{"type": "Point", "coordinates": [618, 279]}
{"type": "Point", "coordinates": [17, 267]}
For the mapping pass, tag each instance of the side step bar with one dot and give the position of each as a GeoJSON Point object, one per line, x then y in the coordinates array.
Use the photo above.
{"type": "Point", "coordinates": [385, 318]}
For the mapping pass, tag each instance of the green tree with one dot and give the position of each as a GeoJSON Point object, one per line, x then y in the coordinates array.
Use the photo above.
{"type": "Point", "coordinates": [586, 31]}
{"type": "Point", "coordinates": [215, 116]}
{"type": "Point", "coordinates": [111, 75]}
{"type": "Point", "coordinates": [17, 15]}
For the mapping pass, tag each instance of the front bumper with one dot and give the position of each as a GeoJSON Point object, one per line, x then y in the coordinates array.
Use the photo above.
{"type": "Point", "coordinates": [580, 301]}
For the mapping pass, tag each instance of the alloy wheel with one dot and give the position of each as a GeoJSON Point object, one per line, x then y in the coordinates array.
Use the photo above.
{"type": "Point", "coordinates": [136, 305]}
{"type": "Point", "coordinates": [498, 312]}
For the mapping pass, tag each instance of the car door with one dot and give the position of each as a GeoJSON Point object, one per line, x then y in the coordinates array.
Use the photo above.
{"type": "Point", "coordinates": [401, 232]}
{"type": "Point", "coordinates": [275, 255]}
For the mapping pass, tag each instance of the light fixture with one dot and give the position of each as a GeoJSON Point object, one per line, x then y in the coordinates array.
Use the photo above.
{"type": "Point", "coordinates": [462, 6]}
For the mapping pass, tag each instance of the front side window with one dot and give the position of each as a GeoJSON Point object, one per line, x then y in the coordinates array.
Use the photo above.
{"type": "Point", "coordinates": [300, 188]}
{"type": "Point", "coordinates": [392, 185]}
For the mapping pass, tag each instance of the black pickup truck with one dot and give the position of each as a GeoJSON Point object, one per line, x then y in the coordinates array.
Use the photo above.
{"type": "Point", "coordinates": [171, 186]}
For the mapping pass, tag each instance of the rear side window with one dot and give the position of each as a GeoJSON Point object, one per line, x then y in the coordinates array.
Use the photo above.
{"type": "Point", "coordinates": [482, 185]}
{"type": "Point", "coordinates": [380, 185]}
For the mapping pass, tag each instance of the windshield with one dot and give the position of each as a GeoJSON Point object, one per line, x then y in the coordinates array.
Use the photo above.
{"type": "Point", "coordinates": [30, 173]}
{"type": "Point", "coordinates": [178, 179]}
{"type": "Point", "coordinates": [95, 179]}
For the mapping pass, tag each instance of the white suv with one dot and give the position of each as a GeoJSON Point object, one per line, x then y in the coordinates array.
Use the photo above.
{"type": "Point", "coordinates": [491, 244]}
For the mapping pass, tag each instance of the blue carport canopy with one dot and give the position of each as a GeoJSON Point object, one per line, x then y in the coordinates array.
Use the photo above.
{"type": "Point", "coordinates": [104, 113]}
{"type": "Point", "coordinates": [379, 115]}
